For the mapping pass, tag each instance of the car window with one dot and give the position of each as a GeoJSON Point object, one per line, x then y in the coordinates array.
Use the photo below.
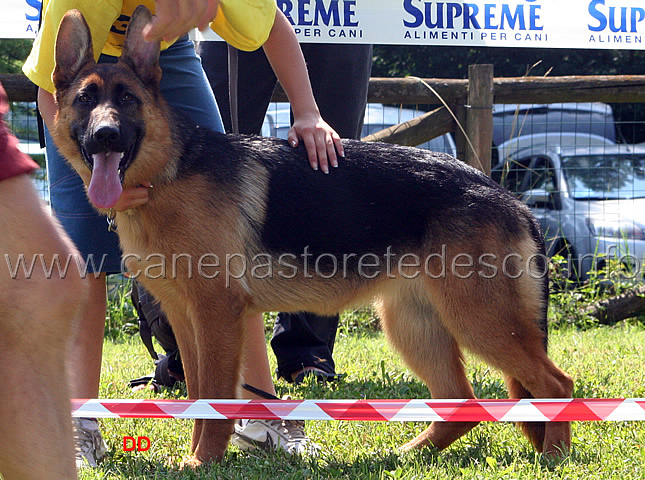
{"type": "Point", "coordinates": [510, 121]}
{"type": "Point", "coordinates": [512, 174]}
{"type": "Point", "coordinates": [526, 174]}
{"type": "Point", "coordinates": [605, 176]}
{"type": "Point", "coordinates": [541, 175]}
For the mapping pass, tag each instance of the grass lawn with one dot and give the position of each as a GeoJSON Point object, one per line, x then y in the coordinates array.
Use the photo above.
{"type": "Point", "coordinates": [604, 361]}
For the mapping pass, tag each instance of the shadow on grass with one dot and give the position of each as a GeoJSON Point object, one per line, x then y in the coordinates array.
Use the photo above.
{"type": "Point", "coordinates": [475, 453]}
{"type": "Point", "coordinates": [399, 386]}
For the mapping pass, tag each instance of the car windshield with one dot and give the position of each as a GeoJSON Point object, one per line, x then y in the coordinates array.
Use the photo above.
{"type": "Point", "coordinates": [605, 176]}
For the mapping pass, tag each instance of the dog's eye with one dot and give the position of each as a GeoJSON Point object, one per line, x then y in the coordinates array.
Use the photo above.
{"type": "Point", "coordinates": [127, 98]}
{"type": "Point", "coordinates": [84, 98]}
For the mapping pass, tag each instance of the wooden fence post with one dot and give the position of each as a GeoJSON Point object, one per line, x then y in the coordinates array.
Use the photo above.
{"type": "Point", "coordinates": [479, 113]}
{"type": "Point", "coordinates": [460, 138]}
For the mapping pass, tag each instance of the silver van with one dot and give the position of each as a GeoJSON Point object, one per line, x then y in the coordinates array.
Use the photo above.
{"type": "Point", "coordinates": [589, 200]}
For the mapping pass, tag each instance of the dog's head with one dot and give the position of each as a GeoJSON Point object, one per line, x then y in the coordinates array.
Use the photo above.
{"type": "Point", "coordinates": [104, 110]}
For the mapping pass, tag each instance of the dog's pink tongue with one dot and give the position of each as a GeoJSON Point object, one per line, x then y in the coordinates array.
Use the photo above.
{"type": "Point", "coordinates": [105, 184]}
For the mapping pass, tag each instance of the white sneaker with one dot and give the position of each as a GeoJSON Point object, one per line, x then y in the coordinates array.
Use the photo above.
{"type": "Point", "coordinates": [288, 435]}
{"type": "Point", "coordinates": [298, 443]}
{"type": "Point", "coordinates": [90, 447]}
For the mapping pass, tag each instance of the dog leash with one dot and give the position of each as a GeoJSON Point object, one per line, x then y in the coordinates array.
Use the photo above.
{"type": "Point", "coordinates": [232, 88]}
{"type": "Point", "coordinates": [259, 392]}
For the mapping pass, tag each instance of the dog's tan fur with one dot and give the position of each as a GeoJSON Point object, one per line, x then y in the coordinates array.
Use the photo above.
{"type": "Point", "coordinates": [38, 312]}
{"type": "Point", "coordinates": [428, 320]}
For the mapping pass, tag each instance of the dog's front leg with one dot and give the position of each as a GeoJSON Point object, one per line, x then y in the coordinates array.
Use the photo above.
{"type": "Point", "coordinates": [219, 333]}
{"type": "Point", "coordinates": [182, 324]}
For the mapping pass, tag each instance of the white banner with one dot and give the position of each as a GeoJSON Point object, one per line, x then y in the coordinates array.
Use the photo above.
{"type": "Point", "coordinates": [19, 18]}
{"type": "Point", "coordinates": [595, 24]}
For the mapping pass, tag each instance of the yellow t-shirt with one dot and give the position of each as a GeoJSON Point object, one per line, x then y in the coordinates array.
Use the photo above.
{"type": "Point", "coordinates": [116, 35]}
{"type": "Point", "coordinates": [245, 24]}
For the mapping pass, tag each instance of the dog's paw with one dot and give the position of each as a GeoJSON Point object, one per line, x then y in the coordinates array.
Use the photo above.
{"type": "Point", "coordinates": [420, 442]}
{"type": "Point", "coordinates": [556, 452]}
{"type": "Point", "coordinates": [192, 462]}
{"type": "Point", "coordinates": [406, 448]}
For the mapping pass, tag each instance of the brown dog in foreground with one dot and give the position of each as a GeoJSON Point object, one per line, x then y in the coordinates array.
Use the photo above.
{"type": "Point", "coordinates": [38, 309]}
{"type": "Point", "coordinates": [234, 227]}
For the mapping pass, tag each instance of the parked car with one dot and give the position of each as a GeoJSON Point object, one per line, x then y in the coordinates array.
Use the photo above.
{"type": "Point", "coordinates": [514, 120]}
{"type": "Point", "coordinates": [589, 200]}
{"type": "Point", "coordinates": [377, 117]}
{"type": "Point", "coordinates": [555, 122]}
{"type": "Point", "coordinates": [551, 139]}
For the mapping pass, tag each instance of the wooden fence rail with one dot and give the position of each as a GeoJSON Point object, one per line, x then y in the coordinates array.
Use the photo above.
{"type": "Point", "coordinates": [457, 95]}
{"type": "Point", "coordinates": [595, 88]}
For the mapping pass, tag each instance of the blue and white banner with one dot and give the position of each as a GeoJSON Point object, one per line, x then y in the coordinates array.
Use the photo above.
{"type": "Point", "coordinates": [19, 18]}
{"type": "Point", "coordinates": [596, 24]}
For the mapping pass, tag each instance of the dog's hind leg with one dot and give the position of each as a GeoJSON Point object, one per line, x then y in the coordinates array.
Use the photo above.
{"type": "Point", "coordinates": [502, 320]}
{"type": "Point", "coordinates": [413, 327]}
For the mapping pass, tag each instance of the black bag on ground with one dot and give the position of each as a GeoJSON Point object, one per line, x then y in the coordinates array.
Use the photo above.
{"type": "Point", "coordinates": [153, 323]}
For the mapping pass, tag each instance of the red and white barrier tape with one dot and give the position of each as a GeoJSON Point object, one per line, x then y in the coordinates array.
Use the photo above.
{"type": "Point", "coordinates": [524, 410]}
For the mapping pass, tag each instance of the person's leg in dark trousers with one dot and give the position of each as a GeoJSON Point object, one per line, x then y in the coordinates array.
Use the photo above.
{"type": "Point", "coordinates": [256, 82]}
{"type": "Point", "coordinates": [339, 75]}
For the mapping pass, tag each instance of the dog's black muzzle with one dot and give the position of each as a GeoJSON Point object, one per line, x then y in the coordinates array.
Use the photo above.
{"type": "Point", "coordinates": [109, 137]}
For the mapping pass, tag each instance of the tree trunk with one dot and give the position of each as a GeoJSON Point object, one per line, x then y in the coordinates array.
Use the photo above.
{"type": "Point", "coordinates": [615, 309]}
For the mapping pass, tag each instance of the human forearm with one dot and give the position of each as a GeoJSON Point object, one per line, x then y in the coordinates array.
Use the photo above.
{"type": "Point", "coordinates": [284, 54]}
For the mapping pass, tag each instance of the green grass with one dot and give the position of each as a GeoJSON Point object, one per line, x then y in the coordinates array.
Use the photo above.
{"type": "Point", "coordinates": [605, 362]}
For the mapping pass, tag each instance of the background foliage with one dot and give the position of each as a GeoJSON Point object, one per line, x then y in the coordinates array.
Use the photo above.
{"type": "Point", "coordinates": [452, 62]}
{"type": "Point", "coordinates": [12, 54]}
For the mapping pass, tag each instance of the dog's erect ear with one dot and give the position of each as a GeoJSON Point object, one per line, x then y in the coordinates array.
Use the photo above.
{"type": "Point", "coordinates": [141, 55]}
{"type": "Point", "coordinates": [73, 48]}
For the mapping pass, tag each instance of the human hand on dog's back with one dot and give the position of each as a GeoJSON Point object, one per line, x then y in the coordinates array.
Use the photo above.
{"type": "Point", "coordinates": [283, 52]}
{"type": "Point", "coordinates": [323, 145]}
{"type": "Point", "coordinates": [321, 141]}
{"type": "Point", "coordinates": [174, 18]}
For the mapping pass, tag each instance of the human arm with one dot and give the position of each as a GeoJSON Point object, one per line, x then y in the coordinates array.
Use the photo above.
{"type": "Point", "coordinates": [284, 54]}
{"type": "Point", "coordinates": [174, 18]}
{"type": "Point", "coordinates": [322, 143]}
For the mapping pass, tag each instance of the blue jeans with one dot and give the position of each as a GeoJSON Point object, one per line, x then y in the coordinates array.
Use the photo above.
{"type": "Point", "coordinates": [185, 87]}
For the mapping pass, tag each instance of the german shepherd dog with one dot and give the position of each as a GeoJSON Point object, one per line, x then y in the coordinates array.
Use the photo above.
{"type": "Point", "coordinates": [453, 260]}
